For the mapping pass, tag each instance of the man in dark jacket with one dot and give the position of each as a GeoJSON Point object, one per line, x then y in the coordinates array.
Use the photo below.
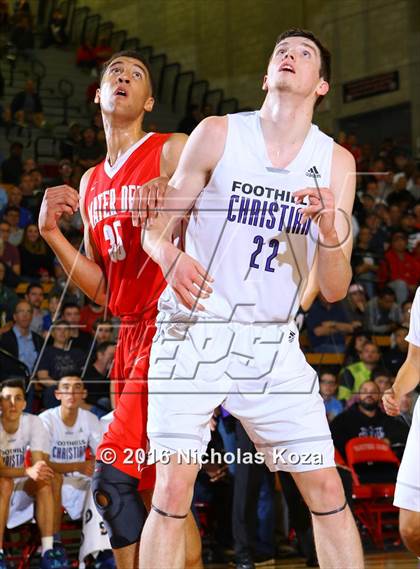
{"type": "Point", "coordinates": [366, 419]}
{"type": "Point", "coordinates": [26, 106]}
{"type": "Point", "coordinates": [20, 346]}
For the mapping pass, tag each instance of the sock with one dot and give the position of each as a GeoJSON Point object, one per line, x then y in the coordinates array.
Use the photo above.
{"type": "Point", "coordinates": [57, 537]}
{"type": "Point", "coordinates": [1, 550]}
{"type": "Point", "coordinates": [46, 544]}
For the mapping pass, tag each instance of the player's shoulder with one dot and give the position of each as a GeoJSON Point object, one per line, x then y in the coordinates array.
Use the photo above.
{"type": "Point", "coordinates": [213, 126]}
{"type": "Point", "coordinates": [90, 418]}
{"type": "Point", "coordinates": [49, 414]}
{"type": "Point", "coordinates": [31, 422]}
{"type": "Point", "coordinates": [84, 181]}
{"type": "Point", "coordinates": [342, 157]}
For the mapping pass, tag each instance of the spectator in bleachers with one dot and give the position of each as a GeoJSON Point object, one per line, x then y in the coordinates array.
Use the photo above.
{"type": "Point", "coordinates": [21, 485]}
{"type": "Point", "coordinates": [56, 30]}
{"type": "Point", "coordinates": [65, 173]}
{"type": "Point", "coordinates": [33, 201]}
{"type": "Point", "coordinates": [365, 261]}
{"type": "Point", "coordinates": [72, 432]}
{"type": "Point", "coordinates": [51, 313]}
{"type": "Point", "coordinates": [15, 200]}
{"type": "Point", "coordinates": [103, 331]}
{"type": "Point", "coordinates": [382, 314]}
{"type": "Point", "coordinates": [400, 196]}
{"type": "Point", "coordinates": [11, 168]}
{"type": "Point", "coordinates": [90, 313]}
{"type": "Point", "coordinates": [9, 254]}
{"type": "Point", "coordinates": [365, 419]}
{"type": "Point", "coordinates": [12, 214]}
{"type": "Point", "coordinates": [327, 326]}
{"type": "Point", "coordinates": [399, 268]}
{"type": "Point", "coordinates": [408, 225]}
{"type": "Point", "coordinates": [354, 375]}
{"type": "Point", "coordinates": [23, 39]}
{"type": "Point", "coordinates": [97, 382]}
{"type": "Point", "coordinates": [394, 216]}
{"type": "Point", "coordinates": [414, 188]}
{"type": "Point", "coordinates": [36, 257]}
{"type": "Point", "coordinates": [64, 287]}
{"type": "Point", "coordinates": [27, 107]}
{"type": "Point", "coordinates": [28, 165]}
{"type": "Point", "coordinates": [35, 296]}
{"type": "Point", "coordinates": [79, 338]}
{"type": "Point", "coordinates": [394, 357]}
{"type": "Point", "coordinates": [8, 299]}
{"type": "Point", "coordinates": [355, 346]}
{"type": "Point", "coordinates": [382, 379]}
{"type": "Point", "coordinates": [328, 387]}
{"type": "Point", "coordinates": [23, 344]}
{"type": "Point", "coordinates": [89, 152]}
{"type": "Point", "coordinates": [405, 314]}
{"type": "Point", "coordinates": [380, 238]}
{"type": "Point", "coordinates": [58, 360]}
{"type": "Point", "coordinates": [355, 303]}
{"type": "Point", "coordinates": [69, 144]}
{"type": "Point", "coordinates": [86, 56]}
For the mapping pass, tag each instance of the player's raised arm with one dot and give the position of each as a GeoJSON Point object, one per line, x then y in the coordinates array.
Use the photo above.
{"type": "Point", "coordinates": [332, 208]}
{"type": "Point", "coordinates": [83, 270]}
{"type": "Point", "coordinates": [198, 160]}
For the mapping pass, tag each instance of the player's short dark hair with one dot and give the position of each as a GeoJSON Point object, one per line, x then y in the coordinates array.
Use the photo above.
{"type": "Point", "coordinates": [325, 69]}
{"type": "Point", "coordinates": [16, 382]}
{"type": "Point", "coordinates": [134, 55]}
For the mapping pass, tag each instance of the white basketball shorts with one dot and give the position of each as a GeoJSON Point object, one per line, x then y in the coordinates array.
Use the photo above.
{"type": "Point", "coordinates": [257, 372]}
{"type": "Point", "coordinates": [21, 508]}
{"type": "Point", "coordinates": [407, 490]}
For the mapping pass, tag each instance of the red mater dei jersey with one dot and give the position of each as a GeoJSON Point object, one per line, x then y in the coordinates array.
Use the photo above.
{"type": "Point", "coordinates": [134, 281]}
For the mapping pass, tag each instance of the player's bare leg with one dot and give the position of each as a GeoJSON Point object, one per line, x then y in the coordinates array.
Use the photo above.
{"type": "Point", "coordinates": [193, 558]}
{"type": "Point", "coordinates": [337, 540]}
{"type": "Point", "coordinates": [6, 490]}
{"type": "Point", "coordinates": [163, 542]}
{"type": "Point", "coordinates": [44, 510]}
{"type": "Point", "coordinates": [56, 485]}
{"type": "Point", "coordinates": [410, 530]}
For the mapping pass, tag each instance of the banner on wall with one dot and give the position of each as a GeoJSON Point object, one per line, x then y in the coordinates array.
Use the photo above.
{"type": "Point", "coordinates": [371, 86]}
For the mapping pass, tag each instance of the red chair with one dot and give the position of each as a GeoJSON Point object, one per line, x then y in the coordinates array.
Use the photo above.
{"type": "Point", "coordinates": [373, 500]}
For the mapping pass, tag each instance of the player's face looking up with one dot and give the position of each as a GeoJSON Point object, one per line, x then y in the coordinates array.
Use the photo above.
{"type": "Point", "coordinates": [12, 403]}
{"type": "Point", "coordinates": [125, 88]}
{"type": "Point", "coordinates": [71, 392]}
{"type": "Point", "coordinates": [295, 67]}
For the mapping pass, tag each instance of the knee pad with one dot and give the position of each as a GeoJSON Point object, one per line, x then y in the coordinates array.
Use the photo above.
{"type": "Point", "coordinates": [119, 503]}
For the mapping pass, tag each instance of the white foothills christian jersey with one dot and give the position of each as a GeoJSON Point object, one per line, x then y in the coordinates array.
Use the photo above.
{"type": "Point", "coordinates": [413, 335]}
{"type": "Point", "coordinates": [69, 444]}
{"type": "Point", "coordinates": [31, 435]}
{"type": "Point", "coordinates": [246, 229]}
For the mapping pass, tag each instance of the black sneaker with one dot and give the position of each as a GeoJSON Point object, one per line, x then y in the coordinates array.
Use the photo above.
{"type": "Point", "coordinates": [244, 563]}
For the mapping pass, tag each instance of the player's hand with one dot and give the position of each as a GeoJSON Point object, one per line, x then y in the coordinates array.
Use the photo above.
{"type": "Point", "coordinates": [148, 199]}
{"type": "Point", "coordinates": [391, 403]}
{"type": "Point", "coordinates": [321, 208]}
{"type": "Point", "coordinates": [56, 201]}
{"type": "Point", "coordinates": [187, 277]}
{"type": "Point", "coordinates": [40, 472]}
{"type": "Point", "coordinates": [87, 468]}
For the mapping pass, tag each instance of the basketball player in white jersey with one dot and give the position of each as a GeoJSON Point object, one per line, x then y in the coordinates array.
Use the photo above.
{"type": "Point", "coordinates": [272, 198]}
{"type": "Point", "coordinates": [21, 485]}
{"type": "Point", "coordinates": [407, 491]}
{"type": "Point", "coordinates": [72, 431]}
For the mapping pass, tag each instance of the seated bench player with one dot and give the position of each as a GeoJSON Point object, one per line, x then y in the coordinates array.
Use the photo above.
{"type": "Point", "coordinates": [72, 431]}
{"type": "Point", "coordinates": [21, 486]}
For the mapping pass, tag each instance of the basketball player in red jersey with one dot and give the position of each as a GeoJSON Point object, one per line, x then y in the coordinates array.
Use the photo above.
{"type": "Point", "coordinates": [117, 272]}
